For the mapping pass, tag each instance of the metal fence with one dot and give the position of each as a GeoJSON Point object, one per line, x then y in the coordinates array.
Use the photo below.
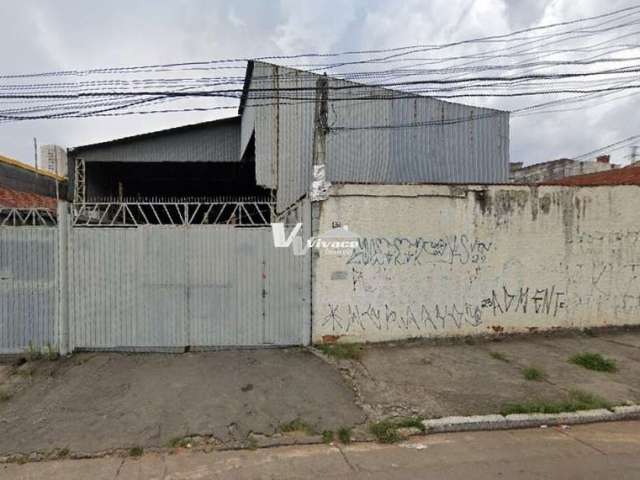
{"type": "Point", "coordinates": [149, 287]}
{"type": "Point", "coordinates": [33, 217]}
{"type": "Point", "coordinates": [115, 214]}
{"type": "Point", "coordinates": [28, 288]}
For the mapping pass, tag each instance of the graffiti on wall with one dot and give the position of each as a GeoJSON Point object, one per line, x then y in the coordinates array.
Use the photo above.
{"type": "Point", "coordinates": [381, 251]}
{"type": "Point", "coordinates": [345, 318]}
{"type": "Point", "coordinates": [544, 301]}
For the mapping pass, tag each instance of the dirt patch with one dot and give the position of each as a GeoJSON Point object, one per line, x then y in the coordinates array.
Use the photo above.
{"type": "Point", "coordinates": [96, 402]}
{"type": "Point", "coordinates": [4, 373]}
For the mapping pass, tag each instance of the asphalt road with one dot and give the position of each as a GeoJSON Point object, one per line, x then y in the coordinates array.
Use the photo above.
{"type": "Point", "coordinates": [597, 451]}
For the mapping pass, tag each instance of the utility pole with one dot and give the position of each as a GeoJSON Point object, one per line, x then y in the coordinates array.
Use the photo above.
{"type": "Point", "coordinates": [321, 124]}
{"type": "Point", "coordinates": [634, 154]}
{"type": "Point", "coordinates": [35, 151]}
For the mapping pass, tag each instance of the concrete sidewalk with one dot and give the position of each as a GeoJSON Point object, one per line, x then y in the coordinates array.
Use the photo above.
{"type": "Point", "coordinates": [586, 452]}
{"type": "Point", "coordinates": [90, 403]}
{"type": "Point", "coordinates": [97, 403]}
{"type": "Point", "coordinates": [479, 376]}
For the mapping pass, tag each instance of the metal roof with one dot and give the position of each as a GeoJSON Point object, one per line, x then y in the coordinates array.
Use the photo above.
{"type": "Point", "coordinates": [155, 133]}
{"type": "Point", "coordinates": [379, 139]}
{"type": "Point", "coordinates": [214, 141]}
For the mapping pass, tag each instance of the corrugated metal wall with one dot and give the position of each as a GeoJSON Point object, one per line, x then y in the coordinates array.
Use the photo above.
{"type": "Point", "coordinates": [162, 287]}
{"type": "Point", "coordinates": [471, 147]}
{"type": "Point", "coordinates": [28, 293]}
{"type": "Point", "coordinates": [283, 130]}
{"type": "Point", "coordinates": [212, 142]}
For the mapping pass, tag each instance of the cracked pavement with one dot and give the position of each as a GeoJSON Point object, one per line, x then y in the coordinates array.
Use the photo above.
{"type": "Point", "coordinates": [452, 377]}
{"type": "Point", "coordinates": [587, 452]}
{"type": "Point", "coordinates": [96, 402]}
{"type": "Point", "coordinates": [100, 402]}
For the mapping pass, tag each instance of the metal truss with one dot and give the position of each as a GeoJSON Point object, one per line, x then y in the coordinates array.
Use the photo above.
{"type": "Point", "coordinates": [133, 214]}
{"type": "Point", "coordinates": [27, 217]}
{"type": "Point", "coordinates": [291, 215]}
{"type": "Point", "coordinates": [79, 192]}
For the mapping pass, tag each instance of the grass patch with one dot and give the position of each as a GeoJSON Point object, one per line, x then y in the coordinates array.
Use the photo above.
{"type": "Point", "coordinates": [51, 353]}
{"type": "Point", "coordinates": [297, 425]}
{"type": "Point", "coordinates": [344, 434]}
{"type": "Point", "coordinates": [576, 400]}
{"type": "Point", "coordinates": [499, 356]}
{"type": "Point", "coordinates": [594, 361]}
{"type": "Point", "coordinates": [178, 442]}
{"type": "Point", "coordinates": [342, 351]}
{"type": "Point", "coordinates": [252, 443]}
{"type": "Point", "coordinates": [533, 374]}
{"type": "Point", "coordinates": [327, 436]}
{"type": "Point", "coordinates": [33, 353]}
{"type": "Point", "coordinates": [386, 431]}
{"type": "Point", "coordinates": [136, 451]}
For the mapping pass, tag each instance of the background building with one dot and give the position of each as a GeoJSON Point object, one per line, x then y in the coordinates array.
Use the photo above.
{"type": "Point", "coordinates": [557, 169]}
{"type": "Point", "coordinates": [54, 159]}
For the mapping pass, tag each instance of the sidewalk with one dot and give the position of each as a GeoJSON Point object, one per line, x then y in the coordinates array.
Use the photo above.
{"type": "Point", "coordinates": [94, 403]}
{"type": "Point", "coordinates": [588, 452]}
{"type": "Point", "coordinates": [473, 377]}
{"type": "Point", "coordinates": [106, 404]}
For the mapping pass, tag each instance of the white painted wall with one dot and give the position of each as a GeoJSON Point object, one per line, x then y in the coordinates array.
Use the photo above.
{"type": "Point", "coordinates": [440, 260]}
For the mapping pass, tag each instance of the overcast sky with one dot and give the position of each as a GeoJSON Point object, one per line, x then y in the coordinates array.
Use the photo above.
{"type": "Point", "coordinates": [79, 34]}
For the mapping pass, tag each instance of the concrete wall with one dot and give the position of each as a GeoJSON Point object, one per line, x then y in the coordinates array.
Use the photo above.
{"type": "Point", "coordinates": [445, 260]}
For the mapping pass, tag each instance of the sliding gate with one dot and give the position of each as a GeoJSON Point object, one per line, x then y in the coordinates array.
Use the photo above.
{"type": "Point", "coordinates": [161, 287]}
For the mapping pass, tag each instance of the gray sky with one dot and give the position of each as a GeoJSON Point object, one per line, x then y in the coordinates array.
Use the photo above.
{"type": "Point", "coordinates": [80, 34]}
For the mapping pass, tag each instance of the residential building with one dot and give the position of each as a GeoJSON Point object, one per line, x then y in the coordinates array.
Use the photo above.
{"type": "Point", "coordinates": [28, 196]}
{"type": "Point", "coordinates": [629, 175]}
{"type": "Point", "coordinates": [557, 169]}
{"type": "Point", "coordinates": [22, 182]}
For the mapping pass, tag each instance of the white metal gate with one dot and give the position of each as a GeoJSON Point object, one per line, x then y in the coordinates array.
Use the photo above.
{"type": "Point", "coordinates": [157, 287]}
{"type": "Point", "coordinates": [28, 287]}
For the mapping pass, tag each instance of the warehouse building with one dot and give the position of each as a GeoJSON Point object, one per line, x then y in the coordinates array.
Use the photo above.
{"type": "Point", "coordinates": [326, 211]}
{"type": "Point", "coordinates": [289, 121]}
{"type": "Point", "coordinates": [168, 242]}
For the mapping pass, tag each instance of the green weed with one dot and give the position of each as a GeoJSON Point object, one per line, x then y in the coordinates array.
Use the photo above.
{"type": "Point", "coordinates": [344, 434]}
{"type": "Point", "coordinates": [594, 361]}
{"type": "Point", "coordinates": [297, 425]}
{"type": "Point", "coordinates": [576, 400]}
{"type": "Point", "coordinates": [499, 356]}
{"type": "Point", "coordinates": [136, 451]}
{"type": "Point", "coordinates": [386, 431]}
{"type": "Point", "coordinates": [342, 351]}
{"type": "Point", "coordinates": [533, 374]}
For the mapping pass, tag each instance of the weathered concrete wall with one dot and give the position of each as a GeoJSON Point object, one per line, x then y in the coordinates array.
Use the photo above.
{"type": "Point", "coordinates": [444, 260]}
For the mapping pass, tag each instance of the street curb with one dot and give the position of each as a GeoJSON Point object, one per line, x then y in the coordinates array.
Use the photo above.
{"type": "Point", "coordinates": [529, 420]}
{"type": "Point", "coordinates": [432, 426]}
